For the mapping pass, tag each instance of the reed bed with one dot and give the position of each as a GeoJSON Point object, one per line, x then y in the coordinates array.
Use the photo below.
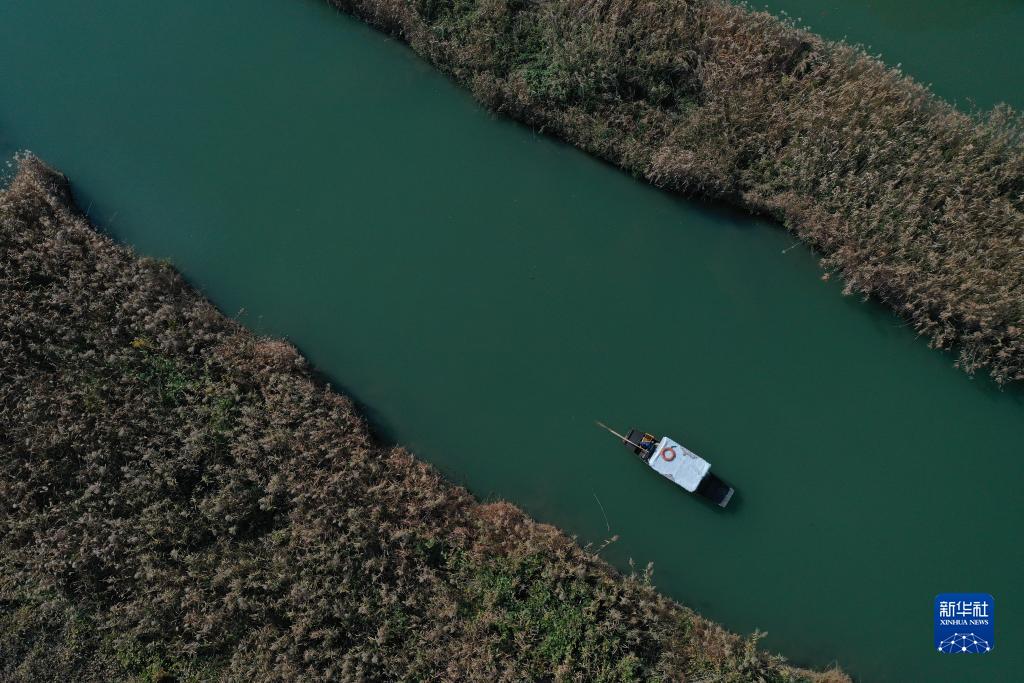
{"type": "Point", "coordinates": [907, 199]}
{"type": "Point", "coordinates": [184, 501]}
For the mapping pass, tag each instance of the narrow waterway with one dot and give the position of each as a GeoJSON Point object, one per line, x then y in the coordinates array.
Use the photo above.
{"type": "Point", "coordinates": [486, 293]}
{"type": "Point", "coordinates": [969, 52]}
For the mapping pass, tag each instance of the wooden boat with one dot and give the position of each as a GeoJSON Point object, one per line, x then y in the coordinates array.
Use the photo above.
{"type": "Point", "coordinates": [677, 463]}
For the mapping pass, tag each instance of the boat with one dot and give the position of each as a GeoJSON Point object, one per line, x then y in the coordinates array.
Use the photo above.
{"type": "Point", "coordinates": [674, 461]}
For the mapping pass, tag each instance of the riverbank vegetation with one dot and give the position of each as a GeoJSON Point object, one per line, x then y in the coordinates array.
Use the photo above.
{"type": "Point", "coordinates": [907, 199]}
{"type": "Point", "coordinates": [185, 501]}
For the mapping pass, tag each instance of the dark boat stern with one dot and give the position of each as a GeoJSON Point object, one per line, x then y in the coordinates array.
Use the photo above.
{"type": "Point", "coordinates": [715, 490]}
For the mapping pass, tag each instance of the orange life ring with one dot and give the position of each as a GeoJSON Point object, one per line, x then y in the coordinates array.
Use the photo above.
{"type": "Point", "coordinates": [665, 451]}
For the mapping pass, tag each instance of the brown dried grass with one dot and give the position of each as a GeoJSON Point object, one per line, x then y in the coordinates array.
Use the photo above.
{"type": "Point", "coordinates": [907, 199]}
{"type": "Point", "coordinates": [183, 501]}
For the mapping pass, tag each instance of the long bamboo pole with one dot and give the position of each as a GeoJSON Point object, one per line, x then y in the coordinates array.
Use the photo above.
{"type": "Point", "coordinates": [602, 425]}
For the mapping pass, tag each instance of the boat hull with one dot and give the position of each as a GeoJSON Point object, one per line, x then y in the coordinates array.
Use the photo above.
{"type": "Point", "coordinates": [699, 480]}
{"type": "Point", "coordinates": [714, 489]}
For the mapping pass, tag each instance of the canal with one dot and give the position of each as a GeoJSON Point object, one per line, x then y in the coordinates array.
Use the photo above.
{"type": "Point", "coordinates": [486, 293]}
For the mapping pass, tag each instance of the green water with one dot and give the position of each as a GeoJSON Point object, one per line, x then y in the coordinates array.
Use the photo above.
{"type": "Point", "coordinates": [486, 293]}
{"type": "Point", "coordinates": [969, 52]}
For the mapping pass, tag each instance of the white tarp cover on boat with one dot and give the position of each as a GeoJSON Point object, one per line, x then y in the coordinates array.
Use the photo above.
{"type": "Point", "coordinates": [679, 464]}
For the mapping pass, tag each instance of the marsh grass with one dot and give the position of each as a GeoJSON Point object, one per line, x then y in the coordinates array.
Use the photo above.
{"type": "Point", "coordinates": [905, 198]}
{"type": "Point", "coordinates": [183, 501]}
